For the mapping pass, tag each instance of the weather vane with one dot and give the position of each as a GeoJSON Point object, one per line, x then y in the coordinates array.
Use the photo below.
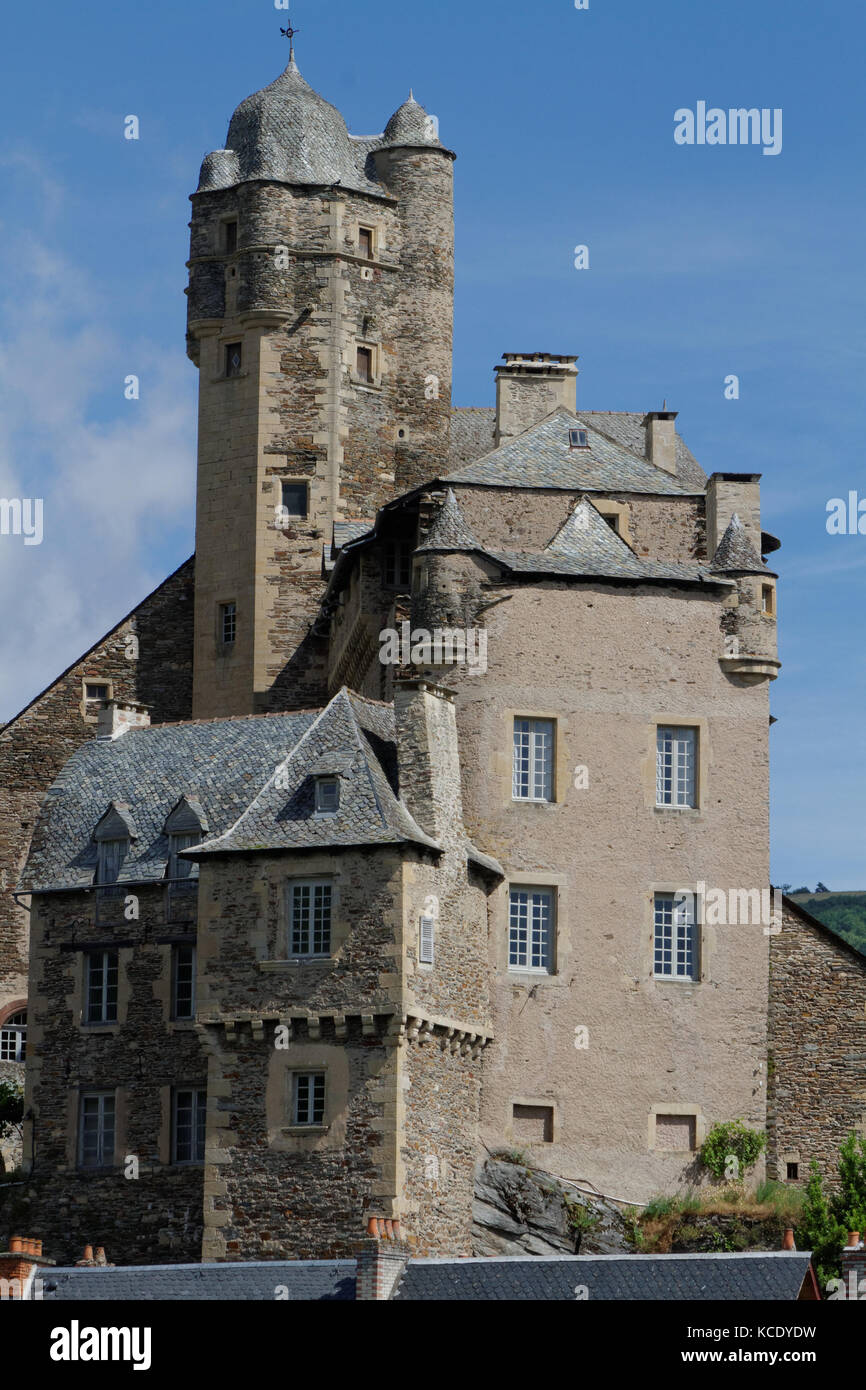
{"type": "Point", "coordinates": [290, 35]}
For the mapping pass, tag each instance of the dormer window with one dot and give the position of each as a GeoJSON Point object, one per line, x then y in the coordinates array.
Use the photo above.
{"type": "Point", "coordinates": [110, 855]}
{"type": "Point", "coordinates": [177, 867]}
{"type": "Point", "coordinates": [578, 439]}
{"type": "Point", "coordinates": [184, 827]}
{"type": "Point", "coordinates": [327, 795]}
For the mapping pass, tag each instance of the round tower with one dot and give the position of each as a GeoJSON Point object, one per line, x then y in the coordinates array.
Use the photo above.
{"type": "Point", "coordinates": [320, 316]}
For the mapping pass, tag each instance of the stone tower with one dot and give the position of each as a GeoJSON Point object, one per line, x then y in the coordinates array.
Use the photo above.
{"type": "Point", "coordinates": [320, 316]}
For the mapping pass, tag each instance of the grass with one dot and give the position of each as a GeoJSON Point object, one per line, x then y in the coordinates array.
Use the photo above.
{"type": "Point", "coordinates": [680, 1217]}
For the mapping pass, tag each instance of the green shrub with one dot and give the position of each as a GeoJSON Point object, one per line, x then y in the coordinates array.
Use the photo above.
{"type": "Point", "coordinates": [825, 1221]}
{"type": "Point", "coordinates": [732, 1140]}
{"type": "Point", "coordinates": [658, 1206]}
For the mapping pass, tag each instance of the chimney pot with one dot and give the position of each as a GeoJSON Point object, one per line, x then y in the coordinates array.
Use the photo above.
{"type": "Point", "coordinates": [88, 1252]}
{"type": "Point", "coordinates": [38, 1250]}
{"type": "Point", "coordinates": [788, 1242]}
{"type": "Point", "coordinates": [853, 1240]}
{"type": "Point", "coordinates": [100, 1255]}
{"type": "Point", "coordinates": [372, 1226]}
{"type": "Point", "coordinates": [16, 1245]}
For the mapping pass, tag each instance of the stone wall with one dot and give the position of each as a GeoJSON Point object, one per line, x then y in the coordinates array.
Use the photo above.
{"type": "Point", "coordinates": [155, 668]}
{"type": "Point", "coordinates": [817, 1046]}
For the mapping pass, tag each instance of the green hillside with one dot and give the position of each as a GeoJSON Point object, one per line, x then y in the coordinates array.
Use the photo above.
{"type": "Point", "coordinates": [844, 913]}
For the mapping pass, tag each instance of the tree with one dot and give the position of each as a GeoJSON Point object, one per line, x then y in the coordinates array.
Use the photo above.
{"type": "Point", "coordinates": [822, 888]}
{"type": "Point", "coordinates": [825, 1221]}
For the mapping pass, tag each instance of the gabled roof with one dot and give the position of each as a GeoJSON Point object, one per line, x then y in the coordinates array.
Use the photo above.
{"type": "Point", "coordinates": [282, 814]}
{"type": "Point", "coordinates": [449, 531]}
{"type": "Point", "coordinates": [116, 824]}
{"type": "Point", "coordinates": [754, 1277]}
{"type": "Point", "coordinates": [220, 764]}
{"type": "Point", "coordinates": [736, 551]}
{"type": "Point", "coordinates": [586, 546]}
{"type": "Point", "coordinates": [542, 457]}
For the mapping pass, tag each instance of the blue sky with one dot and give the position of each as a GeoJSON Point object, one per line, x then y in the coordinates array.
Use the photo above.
{"type": "Point", "coordinates": [704, 261]}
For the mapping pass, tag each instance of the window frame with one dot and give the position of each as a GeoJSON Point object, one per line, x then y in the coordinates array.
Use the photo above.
{"type": "Point", "coordinates": [692, 948]}
{"type": "Point", "coordinates": [103, 1097]}
{"type": "Point", "coordinates": [230, 375]}
{"type": "Point", "coordinates": [311, 885]}
{"type": "Point", "coordinates": [578, 429]}
{"type": "Point", "coordinates": [768, 610]}
{"type": "Point", "coordinates": [229, 242]}
{"type": "Point", "coordinates": [397, 561]}
{"type": "Point", "coordinates": [369, 232]}
{"type": "Point", "coordinates": [673, 775]}
{"type": "Point", "coordinates": [301, 483]}
{"type": "Point", "coordinates": [14, 1028]}
{"type": "Point", "coordinates": [197, 1124]}
{"type": "Point", "coordinates": [314, 1104]}
{"type": "Point", "coordinates": [530, 890]}
{"type": "Point", "coordinates": [108, 1009]}
{"type": "Point", "coordinates": [534, 723]}
{"type": "Point", "coordinates": [321, 784]}
{"type": "Point", "coordinates": [370, 350]}
{"type": "Point", "coordinates": [222, 615]}
{"type": "Point", "coordinates": [176, 1015]}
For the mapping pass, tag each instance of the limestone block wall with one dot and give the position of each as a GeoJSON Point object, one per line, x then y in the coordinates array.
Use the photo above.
{"type": "Point", "coordinates": [817, 1046]}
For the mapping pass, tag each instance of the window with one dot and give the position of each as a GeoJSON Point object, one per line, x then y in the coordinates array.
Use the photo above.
{"type": "Point", "coordinates": [792, 1172]}
{"type": "Point", "coordinates": [327, 795]}
{"type": "Point", "coordinates": [234, 358]}
{"type": "Point", "coordinates": [308, 1097]}
{"type": "Point", "coordinates": [578, 439]}
{"type": "Point", "coordinates": [110, 855]}
{"type": "Point", "coordinates": [101, 987]}
{"type": "Point", "coordinates": [228, 623]}
{"type": "Point", "coordinates": [532, 1123]}
{"type": "Point", "coordinates": [178, 840]}
{"type": "Point", "coordinates": [675, 1133]}
{"type": "Point", "coordinates": [230, 236]}
{"type": "Point", "coordinates": [768, 600]}
{"type": "Point", "coordinates": [397, 564]}
{"type": "Point", "coordinates": [530, 930]}
{"type": "Point", "coordinates": [95, 692]}
{"type": "Point", "coordinates": [533, 760]}
{"type": "Point", "coordinates": [183, 982]}
{"type": "Point", "coordinates": [310, 918]}
{"type": "Point", "coordinates": [612, 520]}
{"type": "Point", "coordinates": [96, 1130]}
{"type": "Point", "coordinates": [13, 1038]}
{"type": "Point", "coordinates": [188, 1125]}
{"type": "Point", "coordinates": [676, 938]}
{"type": "Point", "coordinates": [295, 501]}
{"type": "Point", "coordinates": [676, 752]}
{"type": "Point", "coordinates": [365, 242]}
{"type": "Point", "coordinates": [364, 365]}
{"type": "Point", "coordinates": [426, 939]}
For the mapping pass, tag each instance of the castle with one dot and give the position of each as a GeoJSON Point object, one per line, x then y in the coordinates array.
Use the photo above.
{"type": "Point", "coordinates": [311, 930]}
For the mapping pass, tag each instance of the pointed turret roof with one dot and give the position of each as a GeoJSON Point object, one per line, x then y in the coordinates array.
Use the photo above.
{"type": "Point", "coordinates": [736, 551]}
{"type": "Point", "coordinates": [449, 530]}
{"type": "Point", "coordinates": [410, 125]}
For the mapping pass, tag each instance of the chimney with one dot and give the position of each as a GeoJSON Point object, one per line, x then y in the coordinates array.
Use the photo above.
{"type": "Point", "coordinates": [428, 758]}
{"type": "Point", "coordinates": [380, 1260]}
{"type": "Point", "coordinates": [788, 1239]}
{"type": "Point", "coordinates": [116, 716]}
{"type": "Point", "coordinates": [528, 387]}
{"type": "Point", "coordinates": [661, 439]}
{"type": "Point", "coordinates": [854, 1268]}
{"type": "Point", "coordinates": [18, 1265]}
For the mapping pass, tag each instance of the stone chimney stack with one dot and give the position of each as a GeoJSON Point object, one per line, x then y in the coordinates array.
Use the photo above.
{"type": "Point", "coordinates": [428, 758]}
{"type": "Point", "coordinates": [380, 1260]}
{"type": "Point", "coordinates": [529, 387]}
{"type": "Point", "coordinates": [18, 1265]}
{"type": "Point", "coordinates": [116, 716]}
{"type": "Point", "coordinates": [661, 439]}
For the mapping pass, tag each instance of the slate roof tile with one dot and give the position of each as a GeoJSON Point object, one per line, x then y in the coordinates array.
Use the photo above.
{"type": "Point", "coordinates": [736, 551]}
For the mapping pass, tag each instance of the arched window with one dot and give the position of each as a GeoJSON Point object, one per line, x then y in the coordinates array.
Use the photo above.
{"type": "Point", "coordinates": [13, 1037]}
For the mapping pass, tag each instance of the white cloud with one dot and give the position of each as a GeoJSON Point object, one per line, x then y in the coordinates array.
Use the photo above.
{"type": "Point", "coordinates": [117, 477]}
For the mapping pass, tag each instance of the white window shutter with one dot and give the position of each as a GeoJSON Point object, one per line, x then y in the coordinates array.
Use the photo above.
{"type": "Point", "coordinates": [425, 940]}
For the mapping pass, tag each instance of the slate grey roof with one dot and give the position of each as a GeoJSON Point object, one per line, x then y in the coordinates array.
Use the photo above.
{"type": "Point", "coordinates": [472, 430]}
{"type": "Point", "coordinates": [626, 427]}
{"type": "Point", "coordinates": [449, 531]}
{"type": "Point", "coordinates": [287, 133]}
{"type": "Point", "coordinates": [306, 1280]}
{"type": "Point", "coordinates": [282, 816]}
{"type": "Point", "coordinates": [343, 534]}
{"type": "Point", "coordinates": [220, 764]}
{"type": "Point", "coordinates": [541, 457]}
{"type": "Point", "coordinates": [754, 1277]}
{"type": "Point", "coordinates": [585, 546]}
{"type": "Point", "coordinates": [736, 551]}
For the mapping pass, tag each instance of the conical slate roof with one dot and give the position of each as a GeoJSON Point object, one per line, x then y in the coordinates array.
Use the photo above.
{"type": "Point", "coordinates": [289, 134]}
{"type": "Point", "coordinates": [736, 551]}
{"type": "Point", "coordinates": [410, 125]}
{"type": "Point", "coordinates": [449, 530]}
